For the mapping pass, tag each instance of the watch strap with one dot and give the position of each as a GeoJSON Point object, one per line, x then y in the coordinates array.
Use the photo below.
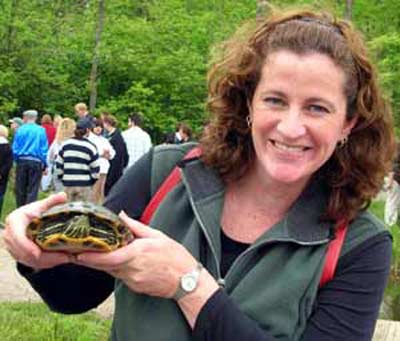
{"type": "Point", "coordinates": [195, 273]}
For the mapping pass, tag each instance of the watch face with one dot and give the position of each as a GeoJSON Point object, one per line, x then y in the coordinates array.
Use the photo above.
{"type": "Point", "coordinates": [188, 283]}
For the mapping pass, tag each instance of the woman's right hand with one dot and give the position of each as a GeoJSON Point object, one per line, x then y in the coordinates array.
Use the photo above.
{"type": "Point", "coordinates": [20, 246]}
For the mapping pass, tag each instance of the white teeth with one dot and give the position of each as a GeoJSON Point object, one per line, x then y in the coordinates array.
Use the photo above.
{"type": "Point", "coordinates": [287, 147]}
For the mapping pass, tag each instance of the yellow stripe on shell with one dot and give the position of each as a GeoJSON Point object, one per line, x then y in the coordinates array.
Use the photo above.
{"type": "Point", "coordinates": [74, 245]}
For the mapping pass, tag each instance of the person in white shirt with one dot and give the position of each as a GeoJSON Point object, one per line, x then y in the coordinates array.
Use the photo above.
{"type": "Point", "coordinates": [106, 153]}
{"type": "Point", "coordinates": [137, 141]}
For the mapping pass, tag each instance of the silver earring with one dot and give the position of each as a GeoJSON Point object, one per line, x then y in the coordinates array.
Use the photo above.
{"type": "Point", "coordinates": [343, 142]}
{"type": "Point", "coordinates": [248, 120]}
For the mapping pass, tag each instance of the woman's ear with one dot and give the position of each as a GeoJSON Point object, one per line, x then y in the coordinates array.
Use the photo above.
{"type": "Point", "coordinates": [249, 107]}
{"type": "Point", "coordinates": [348, 126]}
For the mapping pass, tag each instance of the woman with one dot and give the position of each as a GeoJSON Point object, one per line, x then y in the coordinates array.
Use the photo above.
{"type": "Point", "coordinates": [15, 123]}
{"type": "Point", "coordinates": [106, 154]}
{"type": "Point", "coordinates": [47, 124]}
{"type": "Point", "coordinates": [120, 161]}
{"type": "Point", "coordinates": [6, 161]}
{"type": "Point", "coordinates": [57, 120]}
{"type": "Point", "coordinates": [65, 130]}
{"type": "Point", "coordinates": [236, 250]}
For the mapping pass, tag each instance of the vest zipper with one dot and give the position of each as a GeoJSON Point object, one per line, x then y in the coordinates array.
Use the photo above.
{"type": "Point", "coordinates": [220, 280]}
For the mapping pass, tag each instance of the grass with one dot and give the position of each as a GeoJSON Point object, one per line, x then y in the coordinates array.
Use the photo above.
{"type": "Point", "coordinates": [35, 322]}
{"type": "Point", "coordinates": [9, 198]}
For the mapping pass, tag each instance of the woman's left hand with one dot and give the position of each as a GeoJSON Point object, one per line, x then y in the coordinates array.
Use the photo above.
{"type": "Point", "coordinates": [152, 264]}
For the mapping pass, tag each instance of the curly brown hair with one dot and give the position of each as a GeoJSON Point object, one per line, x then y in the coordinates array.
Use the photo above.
{"type": "Point", "coordinates": [355, 171]}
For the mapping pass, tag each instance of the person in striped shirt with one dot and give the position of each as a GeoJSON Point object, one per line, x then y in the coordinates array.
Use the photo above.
{"type": "Point", "coordinates": [77, 163]}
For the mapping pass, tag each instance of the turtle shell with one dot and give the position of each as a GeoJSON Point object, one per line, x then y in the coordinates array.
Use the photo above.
{"type": "Point", "coordinates": [79, 226]}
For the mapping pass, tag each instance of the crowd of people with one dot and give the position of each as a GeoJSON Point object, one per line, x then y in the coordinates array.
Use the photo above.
{"type": "Point", "coordinates": [83, 156]}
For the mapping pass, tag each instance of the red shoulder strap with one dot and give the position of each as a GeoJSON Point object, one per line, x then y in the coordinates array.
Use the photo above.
{"type": "Point", "coordinates": [333, 253]}
{"type": "Point", "coordinates": [169, 183]}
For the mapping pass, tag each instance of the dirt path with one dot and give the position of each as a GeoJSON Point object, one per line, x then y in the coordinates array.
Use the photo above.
{"type": "Point", "coordinates": [14, 288]}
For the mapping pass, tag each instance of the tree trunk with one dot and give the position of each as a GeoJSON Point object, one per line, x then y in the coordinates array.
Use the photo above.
{"type": "Point", "coordinates": [58, 15]}
{"type": "Point", "coordinates": [11, 27]}
{"type": "Point", "coordinates": [348, 12]}
{"type": "Point", "coordinates": [96, 56]}
{"type": "Point", "coordinates": [262, 9]}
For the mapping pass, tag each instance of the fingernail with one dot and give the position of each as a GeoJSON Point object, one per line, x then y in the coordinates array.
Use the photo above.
{"type": "Point", "coordinates": [122, 214]}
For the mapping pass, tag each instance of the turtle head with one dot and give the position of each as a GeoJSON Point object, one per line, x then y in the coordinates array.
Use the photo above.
{"type": "Point", "coordinates": [78, 226]}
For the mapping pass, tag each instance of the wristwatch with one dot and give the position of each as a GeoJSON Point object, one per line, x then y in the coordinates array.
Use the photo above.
{"type": "Point", "coordinates": [188, 282]}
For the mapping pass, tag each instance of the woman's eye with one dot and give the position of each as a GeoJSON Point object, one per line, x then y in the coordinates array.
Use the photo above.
{"type": "Point", "coordinates": [275, 101]}
{"type": "Point", "coordinates": [318, 109]}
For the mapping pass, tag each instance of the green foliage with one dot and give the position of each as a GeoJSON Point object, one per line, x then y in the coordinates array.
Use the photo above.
{"type": "Point", "coordinates": [164, 68]}
{"type": "Point", "coordinates": [153, 55]}
{"type": "Point", "coordinates": [35, 322]}
{"type": "Point", "coordinates": [387, 50]}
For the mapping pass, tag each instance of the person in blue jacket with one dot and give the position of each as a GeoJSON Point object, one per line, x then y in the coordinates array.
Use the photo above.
{"type": "Point", "coordinates": [298, 144]}
{"type": "Point", "coordinates": [29, 148]}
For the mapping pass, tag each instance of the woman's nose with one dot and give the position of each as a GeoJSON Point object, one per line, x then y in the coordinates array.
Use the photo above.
{"type": "Point", "coordinates": [291, 124]}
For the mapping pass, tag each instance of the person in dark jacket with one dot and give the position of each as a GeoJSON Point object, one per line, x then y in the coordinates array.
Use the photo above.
{"type": "Point", "coordinates": [182, 134]}
{"type": "Point", "coordinates": [236, 250]}
{"type": "Point", "coordinates": [6, 161]}
{"type": "Point", "coordinates": [121, 158]}
{"type": "Point", "coordinates": [81, 111]}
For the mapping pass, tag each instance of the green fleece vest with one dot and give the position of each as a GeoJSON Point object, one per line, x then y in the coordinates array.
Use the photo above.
{"type": "Point", "coordinates": [274, 282]}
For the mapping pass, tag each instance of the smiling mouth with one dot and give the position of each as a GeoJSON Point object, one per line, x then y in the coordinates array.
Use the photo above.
{"type": "Point", "coordinates": [288, 148]}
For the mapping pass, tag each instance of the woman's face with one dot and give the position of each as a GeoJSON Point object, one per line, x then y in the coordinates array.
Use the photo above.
{"type": "Point", "coordinates": [298, 116]}
{"type": "Point", "coordinates": [98, 130]}
{"type": "Point", "coordinates": [14, 126]}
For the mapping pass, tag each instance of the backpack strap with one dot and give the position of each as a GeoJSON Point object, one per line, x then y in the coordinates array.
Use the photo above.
{"type": "Point", "coordinates": [333, 253]}
{"type": "Point", "coordinates": [334, 247]}
{"type": "Point", "coordinates": [169, 183]}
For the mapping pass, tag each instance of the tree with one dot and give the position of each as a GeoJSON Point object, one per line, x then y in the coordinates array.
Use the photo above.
{"type": "Point", "coordinates": [96, 56]}
{"type": "Point", "coordinates": [348, 10]}
{"type": "Point", "coordinates": [262, 8]}
{"type": "Point", "coordinates": [387, 51]}
{"type": "Point", "coordinates": [146, 55]}
{"type": "Point", "coordinates": [11, 27]}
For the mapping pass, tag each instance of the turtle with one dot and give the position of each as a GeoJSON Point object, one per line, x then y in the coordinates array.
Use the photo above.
{"type": "Point", "coordinates": [79, 226]}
